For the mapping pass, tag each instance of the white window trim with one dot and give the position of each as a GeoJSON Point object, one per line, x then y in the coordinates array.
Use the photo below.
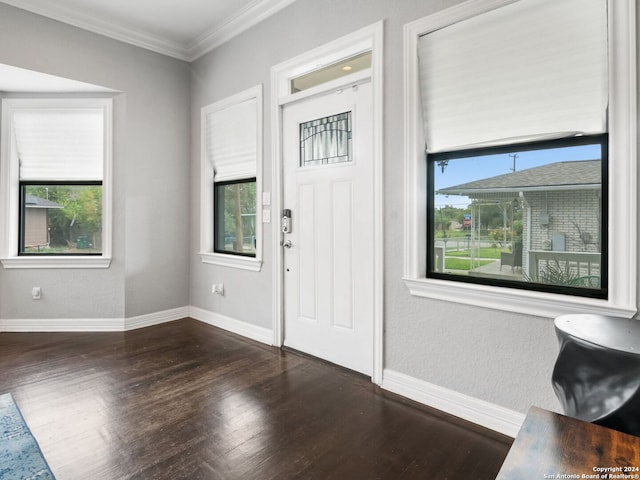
{"type": "Point", "coordinates": [9, 184]}
{"type": "Point", "coordinates": [622, 167]}
{"type": "Point", "coordinates": [207, 255]}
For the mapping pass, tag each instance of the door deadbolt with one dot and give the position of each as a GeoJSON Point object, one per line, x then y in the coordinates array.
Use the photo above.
{"type": "Point", "coordinates": [286, 221]}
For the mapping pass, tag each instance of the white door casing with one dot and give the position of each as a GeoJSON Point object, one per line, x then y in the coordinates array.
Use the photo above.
{"type": "Point", "coordinates": [328, 268]}
{"type": "Point", "coordinates": [367, 38]}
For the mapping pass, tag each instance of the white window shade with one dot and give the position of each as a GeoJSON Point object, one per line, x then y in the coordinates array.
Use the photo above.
{"type": "Point", "coordinates": [232, 140]}
{"type": "Point", "coordinates": [531, 70]}
{"type": "Point", "coordinates": [60, 145]}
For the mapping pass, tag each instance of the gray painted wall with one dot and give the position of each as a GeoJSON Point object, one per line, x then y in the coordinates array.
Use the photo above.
{"type": "Point", "coordinates": [492, 355]}
{"type": "Point", "coordinates": [500, 357]}
{"type": "Point", "coordinates": [150, 267]}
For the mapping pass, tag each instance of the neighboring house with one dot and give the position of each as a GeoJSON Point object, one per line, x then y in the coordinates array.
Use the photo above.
{"type": "Point", "coordinates": [562, 210]}
{"type": "Point", "coordinates": [36, 221]}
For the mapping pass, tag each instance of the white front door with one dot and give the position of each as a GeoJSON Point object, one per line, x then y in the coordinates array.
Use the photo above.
{"type": "Point", "coordinates": [329, 254]}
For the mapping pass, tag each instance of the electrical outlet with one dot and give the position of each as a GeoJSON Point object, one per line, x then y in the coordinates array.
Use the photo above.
{"type": "Point", "coordinates": [218, 289]}
{"type": "Point", "coordinates": [36, 293]}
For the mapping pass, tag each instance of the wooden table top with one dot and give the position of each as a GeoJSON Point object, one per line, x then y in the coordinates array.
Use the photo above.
{"type": "Point", "coordinates": [553, 446]}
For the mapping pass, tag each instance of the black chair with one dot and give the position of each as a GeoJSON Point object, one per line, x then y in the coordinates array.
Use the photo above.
{"type": "Point", "coordinates": [514, 259]}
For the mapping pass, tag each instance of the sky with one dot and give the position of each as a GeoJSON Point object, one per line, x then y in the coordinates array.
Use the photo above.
{"type": "Point", "coordinates": [468, 169]}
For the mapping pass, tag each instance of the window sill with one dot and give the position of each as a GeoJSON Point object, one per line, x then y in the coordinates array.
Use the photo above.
{"type": "Point", "coordinates": [513, 300]}
{"type": "Point", "coordinates": [233, 261]}
{"type": "Point", "coordinates": [56, 262]}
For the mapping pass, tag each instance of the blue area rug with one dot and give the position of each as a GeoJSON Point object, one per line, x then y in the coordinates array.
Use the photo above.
{"type": "Point", "coordinates": [20, 455]}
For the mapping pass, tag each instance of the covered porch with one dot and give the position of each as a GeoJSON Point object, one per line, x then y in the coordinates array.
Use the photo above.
{"type": "Point", "coordinates": [551, 225]}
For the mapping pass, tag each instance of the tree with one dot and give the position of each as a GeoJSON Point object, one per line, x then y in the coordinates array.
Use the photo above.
{"type": "Point", "coordinates": [239, 212]}
{"type": "Point", "coordinates": [81, 214]}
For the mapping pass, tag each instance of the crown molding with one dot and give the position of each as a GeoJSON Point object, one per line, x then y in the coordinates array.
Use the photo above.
{"type": "Point", "coordinates": [246, 18]}
{"type": "Point", "coordinates": [217, 35]}
{"type": "Point", "coordinates": [108, 29]}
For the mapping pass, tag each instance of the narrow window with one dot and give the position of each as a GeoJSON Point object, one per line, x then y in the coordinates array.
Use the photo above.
{"type": "Point", "coordinates": [235, 217]}
{"type": "Point", "coordinates": [231, 181]}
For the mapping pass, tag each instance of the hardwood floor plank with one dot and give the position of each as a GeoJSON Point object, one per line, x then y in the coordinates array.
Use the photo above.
{"type": "Point", "coordinates": [185, 400]}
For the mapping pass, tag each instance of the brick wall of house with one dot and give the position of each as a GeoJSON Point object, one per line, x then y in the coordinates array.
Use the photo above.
{"type": "Point", "coordinates": [569, 213]}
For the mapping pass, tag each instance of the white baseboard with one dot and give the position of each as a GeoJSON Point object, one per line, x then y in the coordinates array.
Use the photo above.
{"type": "Point", "coordinates": [239, 327]}
{"type": "Point", "coordinates": [489, 415]}
{"type": "Point", "coordinates": [259, 334]}
{"type": "Point", "coordinates": [62, 325]}
{"type": "Point", "coordinates": [92, 324]}
{"type": "Point", "coordinates": [156, 318]}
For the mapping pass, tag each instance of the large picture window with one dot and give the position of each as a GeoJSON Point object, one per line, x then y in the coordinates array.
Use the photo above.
{"type": "Point", "coordinates": [531, 216]}
{"type": "Point", "coordinates": [521, 156]}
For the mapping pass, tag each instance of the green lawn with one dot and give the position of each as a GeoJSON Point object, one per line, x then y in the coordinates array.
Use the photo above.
{"type": "Point", "coordinates": [462, 263]}
{"type": "Point", "coordinates": [484, 253]}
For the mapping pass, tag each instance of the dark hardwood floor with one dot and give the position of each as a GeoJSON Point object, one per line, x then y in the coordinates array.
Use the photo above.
{"type": "Point", "coordinates": [185, 400]}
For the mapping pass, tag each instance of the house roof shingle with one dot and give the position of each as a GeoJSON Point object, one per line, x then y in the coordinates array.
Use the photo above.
{"type": "Point", "coordinates": [31, 201]}
{"type": "Point", "coordinates": [569, 175]}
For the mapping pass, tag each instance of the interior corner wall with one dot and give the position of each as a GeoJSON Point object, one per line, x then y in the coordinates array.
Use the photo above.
{"type": "Point", "coordinates": [150, 269]}
{"type": "Point", "coordinates": [499, 357]}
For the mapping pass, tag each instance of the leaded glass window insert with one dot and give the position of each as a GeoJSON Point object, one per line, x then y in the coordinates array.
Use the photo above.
{"type": "Point", "coordinates": [326, 140]}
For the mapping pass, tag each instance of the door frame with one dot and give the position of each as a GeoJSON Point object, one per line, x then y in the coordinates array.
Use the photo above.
{"type": "Point", "coordinates": [366, 39]}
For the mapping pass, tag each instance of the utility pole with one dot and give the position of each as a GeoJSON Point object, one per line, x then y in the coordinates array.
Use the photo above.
{"type": "Point", "coordinates": [514, 156]}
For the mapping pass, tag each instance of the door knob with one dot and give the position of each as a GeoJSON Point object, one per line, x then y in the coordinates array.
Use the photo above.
{"type": "Point", "coordinates": [287, 244]}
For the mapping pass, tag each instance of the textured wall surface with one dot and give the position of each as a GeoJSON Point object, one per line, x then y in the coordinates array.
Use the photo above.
{"type": "Point", "coordinates": [150, 269]}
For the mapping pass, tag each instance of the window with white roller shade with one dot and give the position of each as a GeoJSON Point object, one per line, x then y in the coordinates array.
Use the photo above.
{"type": "Point", "coordinates": [55, 173]}
{"type": "Point", "coordinates": [231, 181]}
{"type": "Point", "coordinates": [232, 140]}
{"type": "Point", "coordinates": [528, 71]}
{"type": "Point", "coordinates": [489, 86]}
{"type": "Point", "coordinates": [60, 145]}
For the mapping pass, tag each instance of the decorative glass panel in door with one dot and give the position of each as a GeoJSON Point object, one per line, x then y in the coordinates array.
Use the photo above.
{"type": "Point", "coordinates": [326, 140]}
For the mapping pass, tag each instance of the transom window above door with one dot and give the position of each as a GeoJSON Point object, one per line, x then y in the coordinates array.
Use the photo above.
{"type": "Point", "coordinates": [342, 68]}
